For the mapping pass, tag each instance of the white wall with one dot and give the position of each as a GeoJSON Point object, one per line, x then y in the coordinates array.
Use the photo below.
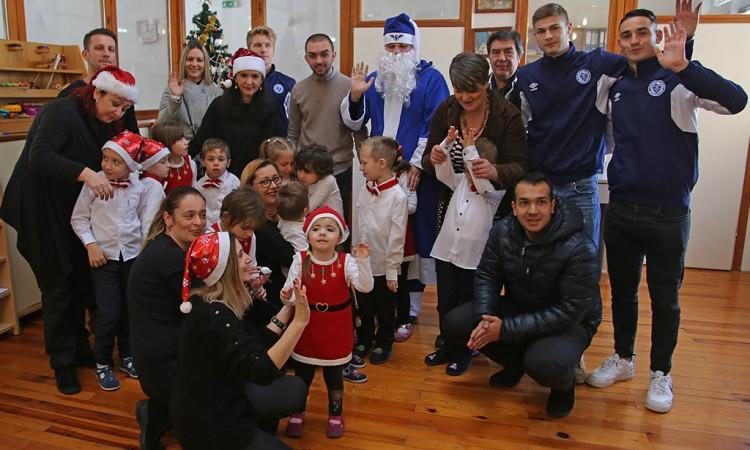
{"type": "Point", "coordinates": [722, 152]}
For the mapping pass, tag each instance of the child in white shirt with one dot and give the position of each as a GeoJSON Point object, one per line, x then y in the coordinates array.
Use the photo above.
{"type": "Point", "coordinates": [110, 228]}
{"type": "Point", "coordinates": [461, 240]}
{"type": "Point", "coordinates": [292, 209]}
{"type": "Point", "coordinates": [314, 167]}
{"type": "Point", "coordinates": [382, 211]}
{"type": "Point", "coordinates": [218, 181]}
{"type": "Point", "coordinates": [155, 168]}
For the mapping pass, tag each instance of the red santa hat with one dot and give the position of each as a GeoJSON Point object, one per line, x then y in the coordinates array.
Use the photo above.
{"type": "Point", "coordinates": [326, 212]}
{"type": "Point", "coordinates": [116, 81]}
{"type": "Point", "coordinates": [244, 59]}
{"type": "Point", "coordinates": [206, 259]}
{"type": "Point", "coordinates": [152, 151]}
{"type": "Point", "coordinates": [128, 146]}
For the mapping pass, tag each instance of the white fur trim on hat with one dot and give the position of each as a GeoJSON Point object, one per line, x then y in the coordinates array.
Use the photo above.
{"type": "Point", "coordinates": [163, 153]}
{"type": "Point", "coordinates": [248, 63]}
{"type": "Point", "coordinates": [108, 83]}
{"type": "Point", "coordinates": [221, 265]}
{"type": "Point", "coordinates": [399, 38]}
{"type": "Point", "coordinates": [344, 230]}
{"type": "Point", "coordinates": [130, 162]}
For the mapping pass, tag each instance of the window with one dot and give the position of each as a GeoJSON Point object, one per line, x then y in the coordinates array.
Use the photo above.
{"type": "Point", "coordinates": [293, 21]}
{"type": "Point", "coordinates": [61, 21]}
{"type": "Point", "coordinates": [373, 10]}
{"type": "Point", "coordinates": [589, 21]}
{"type": "Point", "coordinates": [143, 43]}
{"type": "Point", "coordinates": [666, 7]}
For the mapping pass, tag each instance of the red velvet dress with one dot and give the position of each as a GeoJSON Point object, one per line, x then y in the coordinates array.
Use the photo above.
{"type": "Point", "coordinates": [180, 176]}
{"type": "Point", "coordinates": [327, 339]}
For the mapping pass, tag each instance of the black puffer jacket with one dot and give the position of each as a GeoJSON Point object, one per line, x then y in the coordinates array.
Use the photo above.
{"type": "Point", "coordinates": [550, 284]}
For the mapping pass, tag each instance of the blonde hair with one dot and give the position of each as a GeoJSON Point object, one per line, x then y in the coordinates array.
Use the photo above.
{"type": "Point", "coordinates": [206, 61]}
{"type": "Point", "coordinates": [262, 30]}
{"type": "Point", "coordinates": [229, 290]}
{"type": "Point", "coordinates": [271, 148]}
{"type": "Point", "coordinates": [248, 173]}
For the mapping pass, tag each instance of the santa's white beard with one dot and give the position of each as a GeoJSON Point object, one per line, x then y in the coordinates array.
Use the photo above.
{"type": "Point", "coordinates": [397, 75]}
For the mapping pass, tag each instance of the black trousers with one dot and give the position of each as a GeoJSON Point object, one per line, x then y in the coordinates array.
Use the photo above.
{"type": "Point", "coordinates": [334, 379]}
{"type": "Point", "coordinates": [632, 232]}
{"type": "Point", "coordinates": [111, 319]}
{"type": "Point", "coordinates": [380, 303]}
{"type": "Point", "coordinates": [63, 307]}
{"type": "Point", "coordinates": [344, 182]}
{"type": "Point", "coordinates": [403, 299]}
{"type": "Point", "coordinates": [284, 397]}
{"type": "Point", "coordinates": [455, 286]}
{"type": "Point", "coordinates": [549, 360]}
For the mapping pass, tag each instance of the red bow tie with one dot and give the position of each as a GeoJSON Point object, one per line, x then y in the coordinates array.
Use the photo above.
{"type": "Point", "coordinates": [375, 189]}
{"type": "Point", "coordinates": [120, 183]}
{"type": "Point", "coordinates": [212, 183]}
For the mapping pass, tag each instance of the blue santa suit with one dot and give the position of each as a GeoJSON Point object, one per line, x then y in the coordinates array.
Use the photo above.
{"type": "Point", "coordinates": [279, 86]}
{"type": "Point", "coordinates": [410, 126]}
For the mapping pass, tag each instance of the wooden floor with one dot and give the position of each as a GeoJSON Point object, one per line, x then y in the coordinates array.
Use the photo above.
{"type": "Point", "coordinates": [409, 405]}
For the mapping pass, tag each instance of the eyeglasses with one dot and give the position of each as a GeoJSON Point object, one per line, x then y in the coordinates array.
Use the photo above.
{"type": "Point", "coordinates": [266, 183]}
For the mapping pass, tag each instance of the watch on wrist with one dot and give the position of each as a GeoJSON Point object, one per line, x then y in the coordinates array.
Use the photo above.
{"type": "Point", "coordinates": [275, 320]}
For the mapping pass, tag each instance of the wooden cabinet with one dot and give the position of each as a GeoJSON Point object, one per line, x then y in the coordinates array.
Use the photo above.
{"type": "Point", "coordinates": [8, 317]}
{"type": "Point", "coordinates": [31, 74]}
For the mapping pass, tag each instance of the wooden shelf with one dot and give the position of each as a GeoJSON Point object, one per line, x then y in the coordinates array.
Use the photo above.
{"type": "Point", "coordinates": [34, 70]}
{"type": "Point", "coordinates": [15, 126]}
{"type": "Point", "coordinates": [23, 92]}
{"type": "Point", "coordinates": [7, 326]}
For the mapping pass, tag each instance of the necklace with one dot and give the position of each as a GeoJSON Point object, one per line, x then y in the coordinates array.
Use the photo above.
{"type": "Point", "coordinates": [486, 114]}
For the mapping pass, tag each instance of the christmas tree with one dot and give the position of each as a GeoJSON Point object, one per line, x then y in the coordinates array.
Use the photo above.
{"type": "Point", "coordinates": [209, 33]}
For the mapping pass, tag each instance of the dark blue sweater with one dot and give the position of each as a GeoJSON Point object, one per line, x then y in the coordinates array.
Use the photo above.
{"type": "Point", "coordinates": [563, 101]}
{"type": "Point", "coordinates": [654, 122]}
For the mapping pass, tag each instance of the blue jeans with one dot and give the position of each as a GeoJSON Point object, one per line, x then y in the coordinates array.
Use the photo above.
{"type": "Point", "coordinates": [659, 234]}
{"type": "Point", "coordinates": [583, 193]}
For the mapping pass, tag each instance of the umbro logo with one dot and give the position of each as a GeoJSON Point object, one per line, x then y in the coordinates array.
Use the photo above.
{"type": "Point", "coordinates": [616, 97]}
{"type": "Point", "coordinates": [533, 87]}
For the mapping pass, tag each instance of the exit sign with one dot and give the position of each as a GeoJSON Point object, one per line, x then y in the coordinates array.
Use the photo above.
{"type": "Point", "coordinates": [231, 3]}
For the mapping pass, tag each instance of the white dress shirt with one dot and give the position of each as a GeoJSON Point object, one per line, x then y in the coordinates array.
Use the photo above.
{"type": "Point", "coordinates": [153, 195]}
{"type": "Point", "coordinates": [467, 222]}
{"type": "Point", "coordinates": [114, 224]}
{"type": "Point", "coordinates": [291, 231]}
{"type": "Point", "coordinates": [381, 221]}
{"type": "Point", "coordinates": [357, 271]}
{"type": "Point", "coordinates": [326, 192]}
{"type": "Point", "coordinates": [215, 195]}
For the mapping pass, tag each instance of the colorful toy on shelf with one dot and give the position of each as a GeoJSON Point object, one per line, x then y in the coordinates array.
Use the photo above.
{"type": "Point", "coordinates": [24, 84]}
{"type": "Point", "coordinates": [31, 109]}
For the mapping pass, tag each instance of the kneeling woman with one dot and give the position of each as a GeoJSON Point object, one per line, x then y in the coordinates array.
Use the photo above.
{"type": "Point", "coordinates": [229, 370]}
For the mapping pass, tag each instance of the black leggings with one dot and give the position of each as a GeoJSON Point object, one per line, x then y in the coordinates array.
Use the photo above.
{"type": "Point", "coordinates": [334, 379]}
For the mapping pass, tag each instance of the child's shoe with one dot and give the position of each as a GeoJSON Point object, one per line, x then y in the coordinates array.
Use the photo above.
{"type": "Point", "coordinates": [436, 358]}
{"type": "Point", "coordinates": [335, 427]}
{"type": "Point", "coordinates": [127, 366]}
{"type": "Point", "coordinates": [357, 362]}
{"type": "Point", "coordinates": [403, 332]}
{"type": "Point", "coordinates": [361, 351]}
{"type": "Point", "coordinates": [295, 425]}
{"type": "Point", "coordinates": [352, 375]}
{"type": "Point", "coordinates": [380, 355]}
{"type": "Point", "coordinates": [106, 377]}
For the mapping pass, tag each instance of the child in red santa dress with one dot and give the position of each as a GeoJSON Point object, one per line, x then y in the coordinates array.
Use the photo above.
{"type": "Point", "coordinates": [327, 274]}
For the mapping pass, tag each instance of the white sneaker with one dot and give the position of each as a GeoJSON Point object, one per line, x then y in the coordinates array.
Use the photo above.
{"type": "Point", "coordinates": [659, 397]}
{"type": "Point", "coordinates": [612, 370]}
{"type": "Point", "coordinates": [581, 371]}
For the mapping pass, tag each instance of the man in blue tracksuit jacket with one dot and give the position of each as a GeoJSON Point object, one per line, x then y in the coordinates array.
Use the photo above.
{"type": "Point", "coordinates": [653, 111]}
{"type": "Point", "coordinates": [563, 103]}
{"type": "Point", "coordinates": [262, 40]}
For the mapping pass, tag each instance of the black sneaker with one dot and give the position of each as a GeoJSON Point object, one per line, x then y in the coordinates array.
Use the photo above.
{"type": "Point", "coordinates": [458, 366]}
{"type": "Point", "coordinates": [380, 355]}
{"type": "Point", "coordinates": [436, 358]}
{"type": "Point", "coordinates": [560, 403]}
{"type": "Point", "coordinates": [506, 378]}
{"type": "Point", "coordinates": [150, 435]}
{"type": "Point", "coordinates": [67, 380]}
{"type": "Point", "coordinates": [357, 362]}
{"type": "Point", "coordinates": [439, 341]}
